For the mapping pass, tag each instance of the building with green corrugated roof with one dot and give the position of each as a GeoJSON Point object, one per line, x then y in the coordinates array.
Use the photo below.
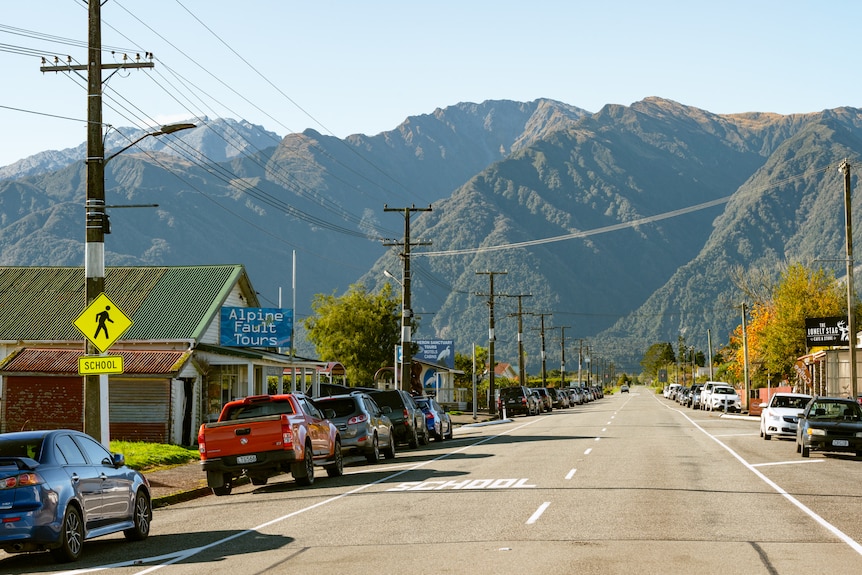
{"type": "Point", "coordinates": [177, 370]}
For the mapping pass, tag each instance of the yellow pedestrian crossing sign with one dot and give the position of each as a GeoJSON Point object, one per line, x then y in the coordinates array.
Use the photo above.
{"type": "Point", "coordinates": [102, 323]}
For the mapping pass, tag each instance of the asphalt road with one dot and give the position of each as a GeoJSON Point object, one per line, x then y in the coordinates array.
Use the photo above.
{"type": "Point", "coordinates": [630, 484]}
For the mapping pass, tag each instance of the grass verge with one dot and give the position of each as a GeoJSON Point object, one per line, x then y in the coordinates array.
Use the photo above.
{"type": "Point", "coordinates": [147, 456]}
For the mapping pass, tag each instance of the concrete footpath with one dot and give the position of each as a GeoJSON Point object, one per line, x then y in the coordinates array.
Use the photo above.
{"type": "Point", "coordinates": [186, 482]}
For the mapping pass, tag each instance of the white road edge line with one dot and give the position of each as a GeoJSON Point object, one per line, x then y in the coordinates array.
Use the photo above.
{"type": "Point", "coordinates": [535, 516]}
{"type": "Point", "coordinates": [853, 544]}
{"type": "Point", "coordinates": [788, 462]}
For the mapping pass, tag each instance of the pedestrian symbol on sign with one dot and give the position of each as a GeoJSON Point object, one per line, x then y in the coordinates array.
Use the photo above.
{"type": "Point", "coordinates": [94, 320]}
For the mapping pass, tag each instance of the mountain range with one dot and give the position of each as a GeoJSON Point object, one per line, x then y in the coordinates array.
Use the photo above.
{"type": "Point", "coordinates": [618, 229]}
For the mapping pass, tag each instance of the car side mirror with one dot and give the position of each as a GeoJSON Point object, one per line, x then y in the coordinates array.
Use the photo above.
{"type": "Point", "coordinates": [119, 460]}
{"type": "Point", "coordinates": [764, 405]}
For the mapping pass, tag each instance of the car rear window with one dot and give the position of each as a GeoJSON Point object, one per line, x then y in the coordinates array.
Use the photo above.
{"type": "Point", "coordinates": [247, 411]}
{"type": "Point", "coordinates": [389, 398]}
{"type": "Point", "coordinates": [21, 448]}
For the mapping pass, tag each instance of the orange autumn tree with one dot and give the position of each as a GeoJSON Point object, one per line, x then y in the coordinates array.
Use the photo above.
{"type": "Point", "coordinates": [776, 328]}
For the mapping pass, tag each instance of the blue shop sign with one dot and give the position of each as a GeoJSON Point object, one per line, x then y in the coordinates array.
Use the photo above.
{"type": "Point", "coordinates": [255, 327]}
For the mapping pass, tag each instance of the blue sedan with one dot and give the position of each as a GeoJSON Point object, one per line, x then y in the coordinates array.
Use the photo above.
{"type": "Point", "coordinates": [59, 488]}
{"type": "Point", "coordinates": [437, 419]}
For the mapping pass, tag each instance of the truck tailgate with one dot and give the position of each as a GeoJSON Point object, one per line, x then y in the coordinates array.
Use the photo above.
{"type": "Point", "coordinates": [253, 435]}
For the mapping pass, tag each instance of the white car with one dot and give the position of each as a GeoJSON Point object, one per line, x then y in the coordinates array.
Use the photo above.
{"type": "Point", "coordinates": [781, 414]}
{"type": "Point", "coordinates": [723, 398]}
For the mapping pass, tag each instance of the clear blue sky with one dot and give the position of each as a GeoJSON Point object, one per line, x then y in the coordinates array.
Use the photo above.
{"type": "Point", "coordinates": [345, 67]}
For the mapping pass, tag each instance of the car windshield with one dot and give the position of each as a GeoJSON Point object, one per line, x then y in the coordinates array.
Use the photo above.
{"type": "Point", "coordinates": [343, 406]}
{"type": "Point", "coordinates": [726, 390]}
{"type": "Point", "coordinates": [791, 402]}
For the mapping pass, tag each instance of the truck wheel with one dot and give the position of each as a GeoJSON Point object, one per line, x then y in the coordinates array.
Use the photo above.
{"type": "Point", "coordinates": [413, 442]}
{"type": "Point", "coordinates": [225, 488]}
{"type": "Point", "coordinates": [389, 452]}
{"type": "Point", "coordinates": [303, 471]}
{"type": "Point", "coordinates": [806, 451]}
{"type": "Point", "coordinates": [336, 468]}
{"type": "Point", "coordinates": [373, 456]}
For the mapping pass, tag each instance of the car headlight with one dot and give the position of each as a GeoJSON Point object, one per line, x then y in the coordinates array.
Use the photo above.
{"type": "Point", "coordinates": [814, 431]}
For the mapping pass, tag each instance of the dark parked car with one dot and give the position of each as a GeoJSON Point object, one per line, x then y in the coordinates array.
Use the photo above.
{"type": "Point", "coordinates": [830, 424]}
{"type": "Point", "coordinates": [437, 419]}
{"type": "Point", "coordinates": [517, 401]}
{"type": "Point", "coordinates": [406, 417]}
{"type": "Point", "coordinates": [362, 424]}
{"type": "Point", "coordinates": [59, 488]}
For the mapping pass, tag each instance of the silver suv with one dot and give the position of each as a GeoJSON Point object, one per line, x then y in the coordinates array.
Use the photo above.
{"type": "Point", "coordinates": [363, 425]}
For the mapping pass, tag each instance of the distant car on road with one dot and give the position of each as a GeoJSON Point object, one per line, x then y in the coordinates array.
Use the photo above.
{"type": "Point", "coordinates": [781, 414]}
{"type": "Point", "coordinates": [624, 388]}
{"type": "Point", "coordinates": [59, 488]}
{"type": "Point", "coordinates": [830, 424]}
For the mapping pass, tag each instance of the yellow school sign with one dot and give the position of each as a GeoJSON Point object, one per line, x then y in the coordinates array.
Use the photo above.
{"type": "Point", "coordinates": [102, 323]}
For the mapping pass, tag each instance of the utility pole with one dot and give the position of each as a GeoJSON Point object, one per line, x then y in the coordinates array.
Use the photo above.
{"type": "Point", "coordinates": [542, 332]}
{"type": "Point", "coordinates": [851, 293]}
{"type": "Point", "coordinates": [406, 309]}
{"type": "Point", "coordinates": [563, 355]}
{"type": "Point", "coordinates": [522, 374]}
{"type": "Point", "coordinates": [96, 218]}
{"type": "Point", "coordinates": [745, 354]}
{"type": "Point", "coordinates": [492, 409]}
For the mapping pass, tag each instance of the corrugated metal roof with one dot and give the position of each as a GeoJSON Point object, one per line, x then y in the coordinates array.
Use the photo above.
{"type": "Point", "coordinates": [32, 361]}
{"type": "Point", "coordinates": [164, 303]}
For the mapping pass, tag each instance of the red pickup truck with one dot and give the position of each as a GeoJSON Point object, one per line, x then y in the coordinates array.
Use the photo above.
{"type": "Point", "coordinates": [263, 435]}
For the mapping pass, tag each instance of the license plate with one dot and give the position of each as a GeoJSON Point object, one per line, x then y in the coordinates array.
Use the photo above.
{"type": "Point", "coordinates": [840, 443]}
{"type": "Point", "coordinates": [246, 458]}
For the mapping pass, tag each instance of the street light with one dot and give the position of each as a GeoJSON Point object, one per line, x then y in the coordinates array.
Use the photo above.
{"type": "Point", "coordinates": [399, 373]}
{"type": "Point", "coordinates": [96, 401]}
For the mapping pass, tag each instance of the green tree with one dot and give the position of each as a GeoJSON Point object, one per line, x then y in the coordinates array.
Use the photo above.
{"type": "Point", "coordinates": [359, 329]}
{"type": "Point", "coordinates": [658, 355]}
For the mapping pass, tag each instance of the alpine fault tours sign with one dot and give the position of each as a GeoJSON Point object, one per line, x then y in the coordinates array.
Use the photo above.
{"type": "Point", "coordinates": [255, 327]}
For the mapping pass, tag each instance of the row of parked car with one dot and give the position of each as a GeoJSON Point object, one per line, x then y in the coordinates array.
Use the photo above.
{"type": "Point", "coordinates": [371, 421]}
{"type": "Point", "coordinates": [709, 396]}
{"type": "Point", "coordinates": [826, 424]}
{"type": "Point", "coordinates": [521, 400]}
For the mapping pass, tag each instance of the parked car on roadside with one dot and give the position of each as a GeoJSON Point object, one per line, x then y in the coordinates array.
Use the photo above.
{"type": "Point", "coordinates": [706, 392]}
{"type": "Point", "coordinates": [547, 402]}
{"type": "Point", "coordinates": [781, 414]}
{"type": "Point", "coordinates": [437, 419]}
{"type": "Point", "coordinates": [406, 417]}
{"type": "Point", "coordinates": [60, 487]}
{"type": "Point", "coordinates": [724, 398]}
{"type": "Point", "coordinates": [559, 399]}
{"type": "Point", "coordinates": [364, 426]}
{"type": "Point", "coordinates": [517, 401]}
{"type": "Point", "coordinates": [693, 395]}
{"type": "Point", "coordinates": [830, 424]}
